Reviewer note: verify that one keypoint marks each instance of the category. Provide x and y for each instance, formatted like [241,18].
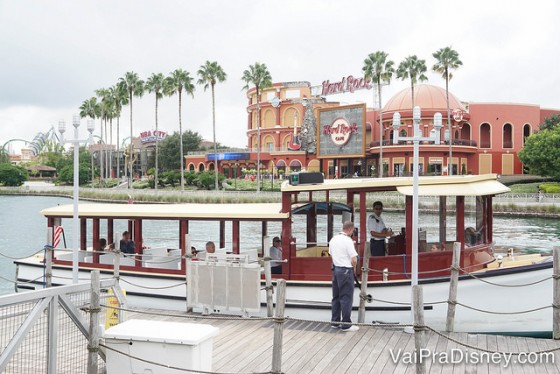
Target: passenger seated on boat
[210,248]
[126,245]
[435,248]
[472,237]
[276,256]
[377,230]
[102,245]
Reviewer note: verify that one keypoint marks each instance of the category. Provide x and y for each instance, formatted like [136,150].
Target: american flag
[56,236]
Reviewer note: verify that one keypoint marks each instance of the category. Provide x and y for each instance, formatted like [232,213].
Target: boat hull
[390,300]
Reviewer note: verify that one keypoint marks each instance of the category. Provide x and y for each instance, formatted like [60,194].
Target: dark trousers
[343,294]
[377,247]
[276,270]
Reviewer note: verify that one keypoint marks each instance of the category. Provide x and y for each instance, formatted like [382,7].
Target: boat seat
[311,251]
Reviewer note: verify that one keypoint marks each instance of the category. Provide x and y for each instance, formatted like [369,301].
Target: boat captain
[377,230]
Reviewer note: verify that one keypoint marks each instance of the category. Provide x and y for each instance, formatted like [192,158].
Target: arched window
[201,167]
[507,136]
[466,132]
[290,115]
[295,165]
[269,119]
[485,139]
[526,132]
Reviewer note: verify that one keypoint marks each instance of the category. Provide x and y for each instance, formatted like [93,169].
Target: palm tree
[414,69]
[90,108]
[120,98]
[259,76]
[209,74]
[378,69]
[447,59]
[155,84]
[106,106]
[135,87]
[175,83]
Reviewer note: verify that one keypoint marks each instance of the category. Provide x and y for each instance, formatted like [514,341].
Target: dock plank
[245,345]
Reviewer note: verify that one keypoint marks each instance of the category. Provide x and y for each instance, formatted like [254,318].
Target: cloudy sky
[54,54]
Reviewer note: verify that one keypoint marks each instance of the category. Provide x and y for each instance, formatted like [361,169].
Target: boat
[305,218]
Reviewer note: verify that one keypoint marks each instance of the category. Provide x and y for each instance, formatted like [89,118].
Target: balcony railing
[388,143]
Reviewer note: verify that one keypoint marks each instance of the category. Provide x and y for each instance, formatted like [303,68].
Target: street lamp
[416,139]
[75,220]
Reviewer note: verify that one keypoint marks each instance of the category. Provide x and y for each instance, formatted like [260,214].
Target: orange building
[485,136]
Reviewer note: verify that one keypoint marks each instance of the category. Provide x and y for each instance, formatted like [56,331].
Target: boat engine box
[182,345]
[306,178]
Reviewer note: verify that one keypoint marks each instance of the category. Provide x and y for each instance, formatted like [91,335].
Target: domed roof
[426,96]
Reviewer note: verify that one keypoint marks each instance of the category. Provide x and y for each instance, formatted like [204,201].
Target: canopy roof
[461,185]
[171,211]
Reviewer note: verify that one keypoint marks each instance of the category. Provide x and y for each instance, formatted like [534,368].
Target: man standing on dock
[344,258]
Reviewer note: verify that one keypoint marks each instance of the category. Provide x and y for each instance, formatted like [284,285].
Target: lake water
[23,231]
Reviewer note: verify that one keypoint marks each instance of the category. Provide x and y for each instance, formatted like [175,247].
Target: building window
[485,136]
[507,136]
[526,132]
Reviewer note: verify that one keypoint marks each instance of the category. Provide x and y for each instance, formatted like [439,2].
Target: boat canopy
[268,211]
[460,185]
[321,208]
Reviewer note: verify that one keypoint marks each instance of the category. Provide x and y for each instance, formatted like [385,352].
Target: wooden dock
[245,346]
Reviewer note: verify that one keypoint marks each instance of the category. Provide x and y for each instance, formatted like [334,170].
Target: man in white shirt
[345,259]
[276,256]
[377,230]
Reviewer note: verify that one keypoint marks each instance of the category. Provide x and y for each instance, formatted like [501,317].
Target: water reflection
[23,231]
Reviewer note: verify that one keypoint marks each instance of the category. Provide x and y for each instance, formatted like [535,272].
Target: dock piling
[418,303]
[278,326]
[453,282]
[556,294]
[93,341]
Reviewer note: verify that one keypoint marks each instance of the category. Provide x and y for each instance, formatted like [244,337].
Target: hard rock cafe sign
[340,131]
[347,84]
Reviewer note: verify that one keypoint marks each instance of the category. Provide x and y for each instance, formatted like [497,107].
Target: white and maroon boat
[461,211]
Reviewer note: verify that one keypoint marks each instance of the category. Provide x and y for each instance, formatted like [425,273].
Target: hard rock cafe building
[301,130]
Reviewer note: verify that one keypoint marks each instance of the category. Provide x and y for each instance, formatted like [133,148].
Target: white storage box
[181,345]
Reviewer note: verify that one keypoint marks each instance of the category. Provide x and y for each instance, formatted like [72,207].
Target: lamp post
[75,219]
[416,139]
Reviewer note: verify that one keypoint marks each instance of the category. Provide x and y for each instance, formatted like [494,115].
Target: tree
[11,175]
[379,70]
[65,167]
[414,69]
[4,157]
[169,148]
[90,108]
[120,98]
[259,76]
[550,122]
[154,85]
[178,81]
[541,153]
[135,87]
[447,59]
[210,73]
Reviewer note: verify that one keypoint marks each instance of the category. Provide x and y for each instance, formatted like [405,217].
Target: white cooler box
[182,345]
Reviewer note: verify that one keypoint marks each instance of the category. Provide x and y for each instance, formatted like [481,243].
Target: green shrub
[550,187]
[11,175]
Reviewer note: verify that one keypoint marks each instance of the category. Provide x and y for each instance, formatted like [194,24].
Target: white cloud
[56,53]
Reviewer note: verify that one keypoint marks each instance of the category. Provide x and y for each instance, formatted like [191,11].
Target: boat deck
[313,347]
